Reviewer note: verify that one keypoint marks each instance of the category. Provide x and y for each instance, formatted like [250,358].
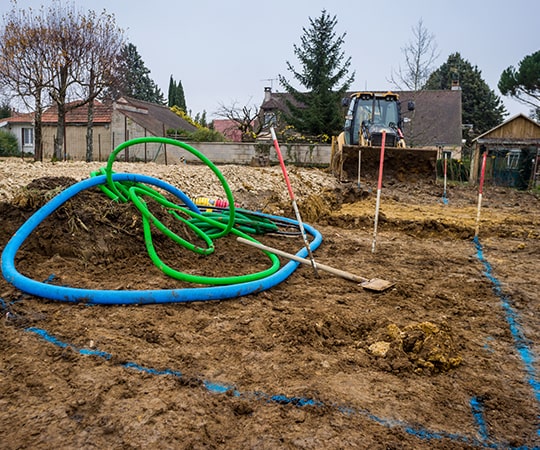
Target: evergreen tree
[136,81]
[481,107]
[176,95]
[171,95]
[318,111]
[180,98]
[5,110]
[523,84]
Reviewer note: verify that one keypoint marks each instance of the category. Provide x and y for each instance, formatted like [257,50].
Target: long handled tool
[375,284]
[291,195]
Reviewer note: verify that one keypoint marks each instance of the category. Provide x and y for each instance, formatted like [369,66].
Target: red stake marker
[379,188]
[291,195]
[482,173]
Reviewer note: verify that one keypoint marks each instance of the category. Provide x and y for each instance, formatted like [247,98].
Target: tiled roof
[19,118]
[436,119]
[79,114]
[228,128]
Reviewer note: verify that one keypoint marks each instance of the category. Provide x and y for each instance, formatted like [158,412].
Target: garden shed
[513,153]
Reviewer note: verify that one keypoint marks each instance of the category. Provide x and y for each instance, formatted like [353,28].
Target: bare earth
[446,358]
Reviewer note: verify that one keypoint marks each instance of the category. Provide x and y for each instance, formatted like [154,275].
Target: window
[512,159]
[27,137]
[270,119]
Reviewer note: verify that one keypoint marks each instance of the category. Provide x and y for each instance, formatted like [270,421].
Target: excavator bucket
[400,164]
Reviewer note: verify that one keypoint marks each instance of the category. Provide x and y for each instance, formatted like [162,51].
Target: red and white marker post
[293,200]
[480,189]
[379,188]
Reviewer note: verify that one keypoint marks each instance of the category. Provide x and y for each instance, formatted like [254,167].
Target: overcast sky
[227,52]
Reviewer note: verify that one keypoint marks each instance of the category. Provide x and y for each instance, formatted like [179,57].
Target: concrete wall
[248,153]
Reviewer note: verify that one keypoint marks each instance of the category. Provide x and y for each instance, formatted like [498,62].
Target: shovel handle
[323,267]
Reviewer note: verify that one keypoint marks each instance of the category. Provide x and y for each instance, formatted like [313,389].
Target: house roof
[79,114]
[18,118]
[518,129]
[435,121]
[228,128]
[151,116]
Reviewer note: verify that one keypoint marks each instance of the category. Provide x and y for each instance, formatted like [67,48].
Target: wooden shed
[513,150]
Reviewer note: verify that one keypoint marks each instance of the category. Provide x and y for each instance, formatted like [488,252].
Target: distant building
[113,124]
[22,127]
[229,129]
[513,148]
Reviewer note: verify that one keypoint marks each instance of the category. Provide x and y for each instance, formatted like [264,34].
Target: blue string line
[522,343]
[280,399]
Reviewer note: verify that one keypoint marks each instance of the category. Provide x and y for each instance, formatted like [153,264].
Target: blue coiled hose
[115,297]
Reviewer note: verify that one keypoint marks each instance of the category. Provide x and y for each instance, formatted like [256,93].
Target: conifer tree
[176,95]
[323,68]
[136,81]
[481,107]
[523,83]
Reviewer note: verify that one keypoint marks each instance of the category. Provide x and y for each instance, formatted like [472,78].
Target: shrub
[8,144]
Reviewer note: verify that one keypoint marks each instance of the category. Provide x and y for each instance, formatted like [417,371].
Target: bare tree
[420,54]
[22,52]
[246,119]
[103,45]
[61,52]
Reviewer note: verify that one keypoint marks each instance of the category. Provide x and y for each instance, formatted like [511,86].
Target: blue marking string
[522,344]
[280,399]
[477,408]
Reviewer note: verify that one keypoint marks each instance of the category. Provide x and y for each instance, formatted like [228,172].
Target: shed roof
[518,129]
[151,116]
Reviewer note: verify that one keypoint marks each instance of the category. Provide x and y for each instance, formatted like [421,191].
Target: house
[75,131]
[22,127]
[228,128]
[113,124]
[513,148]
[434,123]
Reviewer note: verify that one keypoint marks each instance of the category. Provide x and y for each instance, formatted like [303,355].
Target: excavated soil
[445,358]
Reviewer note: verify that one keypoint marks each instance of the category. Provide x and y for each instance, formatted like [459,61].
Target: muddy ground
[446,358]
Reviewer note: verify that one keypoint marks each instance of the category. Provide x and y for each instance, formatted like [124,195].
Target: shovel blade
[377,284]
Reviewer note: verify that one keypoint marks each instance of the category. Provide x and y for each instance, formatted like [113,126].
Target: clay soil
[443,359]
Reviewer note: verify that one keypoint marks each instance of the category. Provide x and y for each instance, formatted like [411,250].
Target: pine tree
[481,107]
[136,82]
[523,84]
[318,111]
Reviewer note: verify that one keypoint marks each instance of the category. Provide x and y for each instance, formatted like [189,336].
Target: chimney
[267,93]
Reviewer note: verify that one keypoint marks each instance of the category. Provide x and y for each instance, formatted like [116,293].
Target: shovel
[375,284]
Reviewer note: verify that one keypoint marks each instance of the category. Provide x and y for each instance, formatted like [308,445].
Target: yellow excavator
[356,151]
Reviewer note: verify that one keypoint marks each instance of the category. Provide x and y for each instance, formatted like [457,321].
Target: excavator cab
[357,148]
[368,115]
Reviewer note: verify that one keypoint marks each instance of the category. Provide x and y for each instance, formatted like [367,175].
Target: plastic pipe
[115,297]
